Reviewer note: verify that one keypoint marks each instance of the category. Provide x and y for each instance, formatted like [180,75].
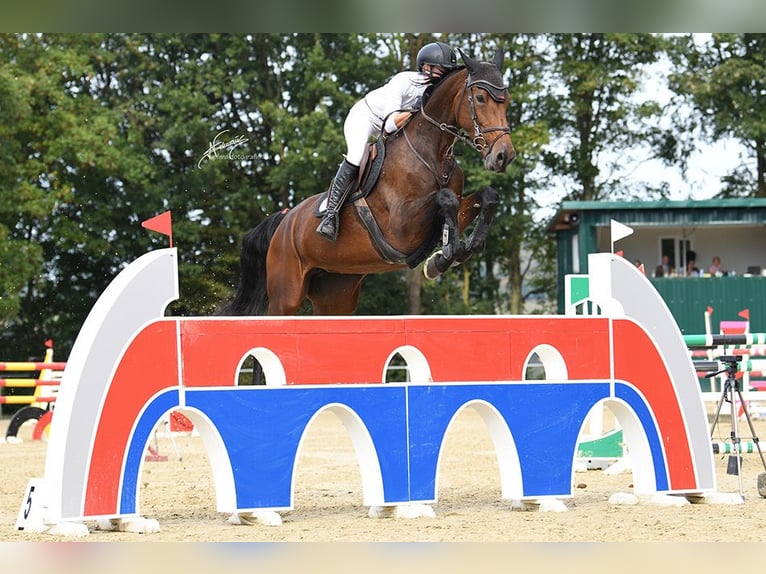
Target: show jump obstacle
[131,365]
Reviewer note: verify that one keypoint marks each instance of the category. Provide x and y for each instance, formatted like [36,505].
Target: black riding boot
[343,183]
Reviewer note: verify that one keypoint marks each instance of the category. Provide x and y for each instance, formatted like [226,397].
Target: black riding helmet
[437,54]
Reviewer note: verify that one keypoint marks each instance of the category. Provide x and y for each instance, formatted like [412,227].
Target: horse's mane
[485,73]
[433,87]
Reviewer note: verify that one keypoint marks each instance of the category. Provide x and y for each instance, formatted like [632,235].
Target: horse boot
[342,184]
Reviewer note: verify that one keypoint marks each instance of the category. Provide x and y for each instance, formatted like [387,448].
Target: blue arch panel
[544,420]
[262,428]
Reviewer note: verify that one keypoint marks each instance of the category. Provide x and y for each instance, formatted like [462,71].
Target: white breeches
[360,124]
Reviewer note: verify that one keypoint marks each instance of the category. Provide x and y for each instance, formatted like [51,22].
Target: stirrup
[329,220]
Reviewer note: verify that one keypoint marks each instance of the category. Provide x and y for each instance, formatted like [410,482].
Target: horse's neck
[442,108]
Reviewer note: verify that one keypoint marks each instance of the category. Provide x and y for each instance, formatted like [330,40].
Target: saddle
[369,173]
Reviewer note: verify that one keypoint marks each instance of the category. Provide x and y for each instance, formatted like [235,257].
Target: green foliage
[384,294]
[99,132]
[723,77]
[595,111]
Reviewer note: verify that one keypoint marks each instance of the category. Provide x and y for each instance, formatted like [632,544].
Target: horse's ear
[470,63]
[498,60]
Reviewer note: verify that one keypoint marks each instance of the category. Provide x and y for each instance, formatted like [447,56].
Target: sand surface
[328,507]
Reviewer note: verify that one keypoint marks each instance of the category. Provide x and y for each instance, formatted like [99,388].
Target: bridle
[478,141]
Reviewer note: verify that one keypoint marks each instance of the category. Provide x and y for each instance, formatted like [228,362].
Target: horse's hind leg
[286,278]
[332,294]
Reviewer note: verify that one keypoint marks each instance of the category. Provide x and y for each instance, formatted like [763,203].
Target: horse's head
[482,112]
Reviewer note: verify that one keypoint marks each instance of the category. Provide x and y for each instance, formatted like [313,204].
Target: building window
[675,248]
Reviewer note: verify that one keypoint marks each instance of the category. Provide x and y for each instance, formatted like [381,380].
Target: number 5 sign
[31,512]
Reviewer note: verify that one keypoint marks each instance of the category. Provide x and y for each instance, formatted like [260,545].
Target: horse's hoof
[430,270]
[262,517]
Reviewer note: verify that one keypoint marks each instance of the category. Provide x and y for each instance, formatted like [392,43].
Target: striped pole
[31,366]
[728,448]
[758,351]
[711,340]
[25,399]
[28,383]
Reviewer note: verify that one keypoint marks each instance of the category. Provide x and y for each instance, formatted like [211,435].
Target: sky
[706,166]
[703,177]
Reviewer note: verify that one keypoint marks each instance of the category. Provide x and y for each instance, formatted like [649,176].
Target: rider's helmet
[436,54]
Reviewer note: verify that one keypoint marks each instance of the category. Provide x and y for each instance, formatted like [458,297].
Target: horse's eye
[481,98]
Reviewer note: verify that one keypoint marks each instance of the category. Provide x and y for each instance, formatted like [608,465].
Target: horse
[416,202]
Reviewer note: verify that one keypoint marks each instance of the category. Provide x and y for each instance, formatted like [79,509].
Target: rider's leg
[342,184]
[357,130]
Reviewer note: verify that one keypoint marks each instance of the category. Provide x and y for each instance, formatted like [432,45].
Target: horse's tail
[251,297]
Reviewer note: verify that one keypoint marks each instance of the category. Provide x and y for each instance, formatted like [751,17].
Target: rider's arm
[396,120]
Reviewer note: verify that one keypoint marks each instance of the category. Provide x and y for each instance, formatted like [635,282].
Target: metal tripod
[731,390]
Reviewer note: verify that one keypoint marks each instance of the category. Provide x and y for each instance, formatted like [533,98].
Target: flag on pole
[619,231]
[161,224]
[745,314]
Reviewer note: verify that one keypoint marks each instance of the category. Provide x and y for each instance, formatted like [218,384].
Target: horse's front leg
[447,205]
[480,206]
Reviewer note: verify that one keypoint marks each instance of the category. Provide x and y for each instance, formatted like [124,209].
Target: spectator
[664,269]
[716,267]
[691,264]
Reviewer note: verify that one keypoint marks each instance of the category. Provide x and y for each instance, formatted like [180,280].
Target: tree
[102,131]
[592,109]
[20,256]
[723,77]
[61,141]
[112,129]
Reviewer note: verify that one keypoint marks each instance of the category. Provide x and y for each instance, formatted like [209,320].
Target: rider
[366,117]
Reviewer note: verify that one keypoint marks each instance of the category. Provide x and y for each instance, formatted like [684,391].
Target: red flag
[49,343]
[709,310]
[161,224]
[745,314]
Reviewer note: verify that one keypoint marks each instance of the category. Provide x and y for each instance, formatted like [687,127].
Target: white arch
[273,370]
[553,363]
[639,450]
[511,483]
[366,455]
[417,364]
[218,456]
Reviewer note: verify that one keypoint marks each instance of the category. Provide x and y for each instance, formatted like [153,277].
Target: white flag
[619,231]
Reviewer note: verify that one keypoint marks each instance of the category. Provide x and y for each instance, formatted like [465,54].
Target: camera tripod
[731,391]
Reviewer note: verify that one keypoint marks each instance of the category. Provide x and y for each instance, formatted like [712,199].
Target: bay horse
[416,204]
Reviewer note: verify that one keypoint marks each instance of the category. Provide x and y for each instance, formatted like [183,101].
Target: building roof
[661,213]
